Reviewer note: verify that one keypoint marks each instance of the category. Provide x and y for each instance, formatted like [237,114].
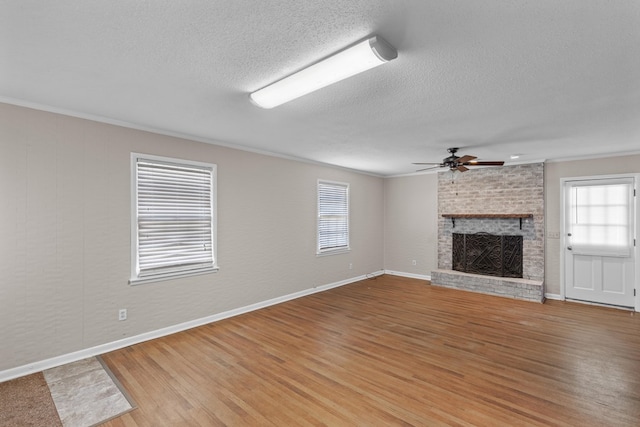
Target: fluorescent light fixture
[515,156]
[360,57]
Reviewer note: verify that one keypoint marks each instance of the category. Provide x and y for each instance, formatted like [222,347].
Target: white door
[599,240]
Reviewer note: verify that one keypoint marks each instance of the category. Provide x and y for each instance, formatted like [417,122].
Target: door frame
[563,231]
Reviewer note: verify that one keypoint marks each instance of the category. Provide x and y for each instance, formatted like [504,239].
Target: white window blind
[601,218]
[333,217]
[174,218]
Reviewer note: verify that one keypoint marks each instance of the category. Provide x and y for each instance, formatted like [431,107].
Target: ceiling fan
[454,162]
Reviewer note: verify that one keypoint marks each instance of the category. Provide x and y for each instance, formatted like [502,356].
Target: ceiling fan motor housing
[451,161]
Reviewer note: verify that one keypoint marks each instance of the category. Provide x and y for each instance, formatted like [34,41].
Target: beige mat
[86,393]
[79,394]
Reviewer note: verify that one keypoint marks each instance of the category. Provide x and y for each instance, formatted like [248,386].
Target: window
[601,217]
[333,217]
[173,230]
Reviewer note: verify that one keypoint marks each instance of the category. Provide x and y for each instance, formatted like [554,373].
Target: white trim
[593,156]
[636,237]
[409,275]
[41,365]
[159,131]
[143,128]
[152,279]
[563,242]
[333,252]
[442,169]
[554,296]
[618,307]
[341,249]
[134,157]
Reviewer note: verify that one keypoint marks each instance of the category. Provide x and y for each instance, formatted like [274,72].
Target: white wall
[65,218]
[411,221]
[411,224]
[554,171]
[64,234]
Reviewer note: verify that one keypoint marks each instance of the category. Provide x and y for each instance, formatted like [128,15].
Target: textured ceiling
[546,79]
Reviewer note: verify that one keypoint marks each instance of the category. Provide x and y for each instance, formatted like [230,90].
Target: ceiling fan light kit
[355,59]
[454,162]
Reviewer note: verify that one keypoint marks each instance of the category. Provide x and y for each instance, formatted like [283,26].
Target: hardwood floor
[392,351]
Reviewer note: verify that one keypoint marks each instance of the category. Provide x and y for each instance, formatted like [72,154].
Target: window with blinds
[173,223]
[333,217]
[601,217]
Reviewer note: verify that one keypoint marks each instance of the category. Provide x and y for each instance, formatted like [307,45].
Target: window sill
[160,278]
[334,252]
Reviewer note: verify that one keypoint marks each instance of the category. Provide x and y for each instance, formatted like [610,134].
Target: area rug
[79,394]
[86,393]
[26,401]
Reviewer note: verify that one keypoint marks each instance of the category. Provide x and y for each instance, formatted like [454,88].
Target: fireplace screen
[488,254]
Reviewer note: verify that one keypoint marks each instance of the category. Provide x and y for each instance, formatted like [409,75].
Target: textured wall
[510,189]
[65,231]
[411,222]
[555,171]
[410,232]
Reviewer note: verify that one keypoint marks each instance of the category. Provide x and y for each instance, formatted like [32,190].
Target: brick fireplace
[500,201]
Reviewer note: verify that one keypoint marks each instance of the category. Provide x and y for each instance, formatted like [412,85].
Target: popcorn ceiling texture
[547,79]
[506,190]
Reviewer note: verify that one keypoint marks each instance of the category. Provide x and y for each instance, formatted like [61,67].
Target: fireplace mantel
[518,216]
[508,215]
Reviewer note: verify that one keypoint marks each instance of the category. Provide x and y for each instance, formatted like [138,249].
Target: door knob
[570,248]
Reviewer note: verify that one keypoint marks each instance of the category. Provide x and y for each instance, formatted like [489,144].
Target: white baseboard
[410,275]
[561,298]
[42,365]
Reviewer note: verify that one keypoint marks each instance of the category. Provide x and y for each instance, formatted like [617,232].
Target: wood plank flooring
[392,351]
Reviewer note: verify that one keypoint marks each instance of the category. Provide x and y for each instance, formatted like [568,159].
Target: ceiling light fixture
[355,59]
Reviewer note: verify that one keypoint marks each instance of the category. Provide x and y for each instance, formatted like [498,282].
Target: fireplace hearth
[487,254]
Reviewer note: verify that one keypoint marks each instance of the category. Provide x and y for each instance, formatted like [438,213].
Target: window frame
[322,251]
[623,249]
[135,276]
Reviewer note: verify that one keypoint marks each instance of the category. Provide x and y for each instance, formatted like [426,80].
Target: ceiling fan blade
[465,159]
[487,163]
[426,169]
[458,163]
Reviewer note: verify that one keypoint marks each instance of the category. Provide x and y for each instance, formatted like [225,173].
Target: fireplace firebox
[488,254]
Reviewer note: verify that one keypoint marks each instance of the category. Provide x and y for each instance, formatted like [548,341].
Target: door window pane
[601,218]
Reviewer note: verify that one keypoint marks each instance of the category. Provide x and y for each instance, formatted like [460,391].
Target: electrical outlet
[553,234]
[122,314]
[413,262]
[350,266]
